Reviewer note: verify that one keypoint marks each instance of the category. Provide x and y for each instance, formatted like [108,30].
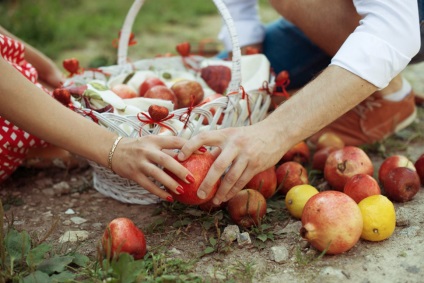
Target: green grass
[56,27]
[86,29]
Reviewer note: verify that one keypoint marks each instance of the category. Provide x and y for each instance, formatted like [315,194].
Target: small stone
[410,231]
[97,225]
[73,236]
[279,254]
[332,272]
[402,217]
[243,239]
[230,233]
[70,211]
[174,251]
[67,222]
[48,192]
[78,220]
[61,188]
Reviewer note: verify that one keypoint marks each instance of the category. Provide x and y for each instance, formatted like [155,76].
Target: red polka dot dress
[14,142]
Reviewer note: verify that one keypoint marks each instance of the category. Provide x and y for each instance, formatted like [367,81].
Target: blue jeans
[288,48]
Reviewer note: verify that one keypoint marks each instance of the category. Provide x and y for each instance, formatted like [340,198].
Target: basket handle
[235,82]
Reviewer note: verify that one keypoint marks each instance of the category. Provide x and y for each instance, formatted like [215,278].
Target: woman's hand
[138,160]
[243,151]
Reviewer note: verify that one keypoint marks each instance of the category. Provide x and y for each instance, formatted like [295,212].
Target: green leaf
[265,226]
[209,250]
[36,255]
[128,77]
[17,244]
[65,276]
[93,95]
[80,260]
[55,264]
[37,277]
[98,86]
[262,237]
[126,268]
[182,223]
[212,241]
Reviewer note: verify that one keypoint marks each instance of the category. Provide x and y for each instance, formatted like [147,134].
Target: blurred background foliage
[86,29]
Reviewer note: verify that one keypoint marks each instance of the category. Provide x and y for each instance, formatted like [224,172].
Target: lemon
[297,197]
[379,216]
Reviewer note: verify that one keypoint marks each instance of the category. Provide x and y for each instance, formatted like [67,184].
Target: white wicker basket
[239,109]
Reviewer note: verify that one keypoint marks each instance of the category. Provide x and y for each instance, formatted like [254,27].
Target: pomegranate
[247,208]
[290,174]
[331,222]
[123,236]
[265,182]
[401,184]
[392,162]
[330,139]
[188,93]
[360,186]
[320,157]
[148,83]
[161,92]
[344,163]
[299,153]
[419,166]
[198,165]
[124,91]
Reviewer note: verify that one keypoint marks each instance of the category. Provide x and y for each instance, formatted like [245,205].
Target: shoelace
[368,104]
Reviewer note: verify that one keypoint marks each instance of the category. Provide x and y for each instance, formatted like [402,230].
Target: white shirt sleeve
[385,41]
[246,21]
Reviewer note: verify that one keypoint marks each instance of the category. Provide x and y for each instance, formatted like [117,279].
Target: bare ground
[38,200]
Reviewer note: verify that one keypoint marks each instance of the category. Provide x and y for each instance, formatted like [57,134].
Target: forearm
[31,109]
[334,92]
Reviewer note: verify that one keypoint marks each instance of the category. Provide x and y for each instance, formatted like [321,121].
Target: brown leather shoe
[372,120]
[419,99]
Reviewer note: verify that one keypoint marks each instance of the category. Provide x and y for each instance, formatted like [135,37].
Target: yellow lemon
[297,197]
[379,216]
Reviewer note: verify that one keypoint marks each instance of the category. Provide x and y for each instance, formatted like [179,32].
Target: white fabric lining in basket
[239,108]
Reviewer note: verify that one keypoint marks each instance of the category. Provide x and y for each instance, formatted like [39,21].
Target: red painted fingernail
[190,179]
[202,149]
[180,190]
[170,198]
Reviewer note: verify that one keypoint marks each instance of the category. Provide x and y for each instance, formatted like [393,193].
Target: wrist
[112,153]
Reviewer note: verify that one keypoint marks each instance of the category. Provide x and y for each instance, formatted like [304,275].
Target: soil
[55,201]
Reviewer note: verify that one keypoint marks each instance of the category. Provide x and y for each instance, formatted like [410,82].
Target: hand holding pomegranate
[240,155]
[139,160]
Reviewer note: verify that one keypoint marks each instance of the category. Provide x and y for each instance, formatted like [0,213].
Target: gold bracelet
[112,151]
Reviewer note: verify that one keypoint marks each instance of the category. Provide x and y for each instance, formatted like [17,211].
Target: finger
[211,138]
[151,187]
[215,152]
[239,185]
[172,165]
[220,165]
[169,142]
[162,177]
[231,181]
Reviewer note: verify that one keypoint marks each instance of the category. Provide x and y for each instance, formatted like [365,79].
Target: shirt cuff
[248,32]
[370,58]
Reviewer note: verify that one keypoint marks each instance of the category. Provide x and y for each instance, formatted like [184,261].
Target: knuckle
[230,178]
